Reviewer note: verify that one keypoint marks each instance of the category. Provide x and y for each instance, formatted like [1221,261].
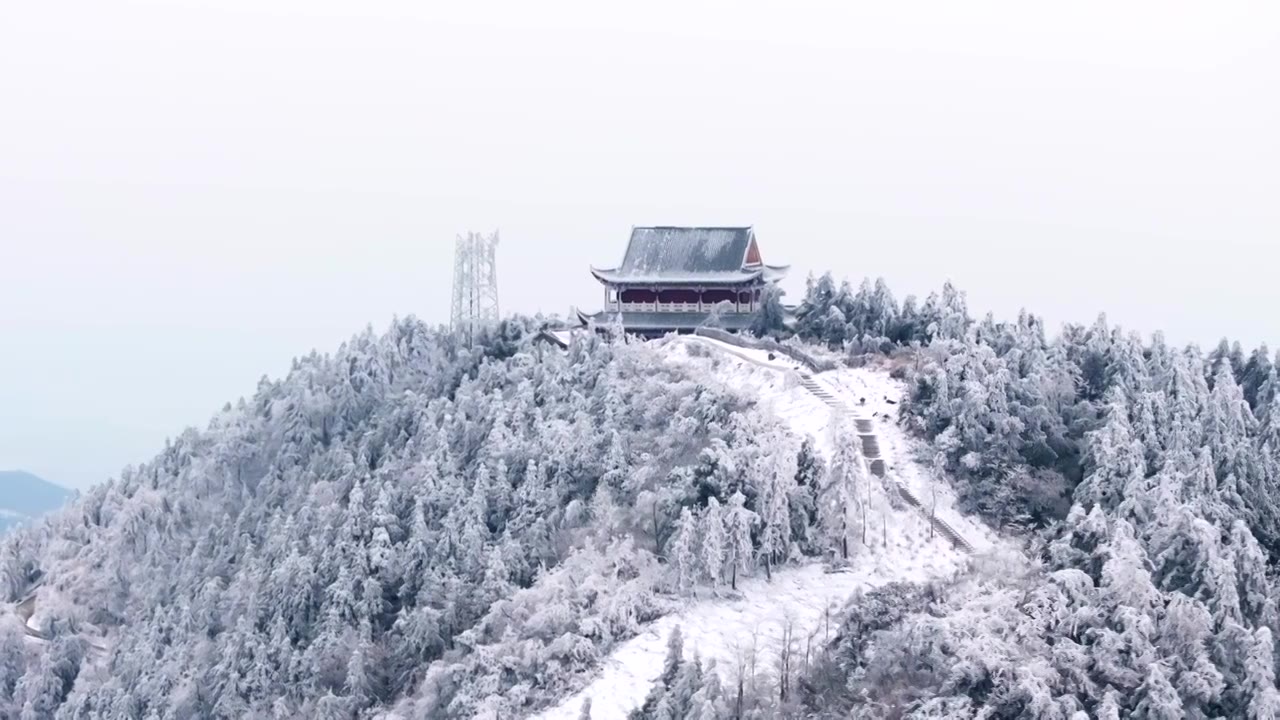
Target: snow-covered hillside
[744,632]
[374,523]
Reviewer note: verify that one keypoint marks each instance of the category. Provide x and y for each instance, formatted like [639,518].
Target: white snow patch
[774,384]
[733,631]
[715,244]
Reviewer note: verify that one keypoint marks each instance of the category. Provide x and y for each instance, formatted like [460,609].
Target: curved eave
[773,273]
[603,275]
[612,277]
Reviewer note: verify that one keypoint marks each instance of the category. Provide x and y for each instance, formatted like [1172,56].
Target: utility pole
[475,285]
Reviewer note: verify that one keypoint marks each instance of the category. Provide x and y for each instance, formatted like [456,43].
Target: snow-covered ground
[745,635]
[774,384]
[899,545]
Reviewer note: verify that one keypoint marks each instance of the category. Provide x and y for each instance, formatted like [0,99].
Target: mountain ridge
[25,496]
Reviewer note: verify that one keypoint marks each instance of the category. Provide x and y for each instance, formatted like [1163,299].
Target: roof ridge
[692,227]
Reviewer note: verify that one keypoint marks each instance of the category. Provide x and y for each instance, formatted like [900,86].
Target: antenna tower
[475,284]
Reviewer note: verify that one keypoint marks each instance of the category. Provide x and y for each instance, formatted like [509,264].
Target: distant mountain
[24,497]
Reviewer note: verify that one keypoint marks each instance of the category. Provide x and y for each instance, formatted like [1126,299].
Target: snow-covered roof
[710,255]
[560,338]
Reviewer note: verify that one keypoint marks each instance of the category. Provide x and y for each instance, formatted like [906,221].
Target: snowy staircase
[941,526]
[871,451]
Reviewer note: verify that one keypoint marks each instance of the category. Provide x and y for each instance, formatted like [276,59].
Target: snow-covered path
[29,614]
[733,630]
[24,610]
[745,633]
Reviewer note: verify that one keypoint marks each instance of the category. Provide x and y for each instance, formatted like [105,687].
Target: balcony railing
[670,307]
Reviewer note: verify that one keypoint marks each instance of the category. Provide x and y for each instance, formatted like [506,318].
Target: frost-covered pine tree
[1109,708]
[810,478]
[682,551]
[1158,699]
[708,702]
[739,522]
[775,477]
[688,683]
[675,656]
[1260,678]
[714,541]
[1114,459]
[841,507]
[771,319]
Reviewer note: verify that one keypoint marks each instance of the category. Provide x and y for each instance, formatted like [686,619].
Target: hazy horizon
[193,193]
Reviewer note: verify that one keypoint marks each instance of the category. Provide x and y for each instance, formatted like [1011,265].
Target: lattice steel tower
[475,284]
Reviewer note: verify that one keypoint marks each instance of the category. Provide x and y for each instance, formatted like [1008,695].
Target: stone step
[939,524]
[871,451]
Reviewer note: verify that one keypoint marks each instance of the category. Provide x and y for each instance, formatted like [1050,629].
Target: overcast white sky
[193,192]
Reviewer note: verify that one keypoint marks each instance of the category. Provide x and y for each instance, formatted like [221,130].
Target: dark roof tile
[673,250]
[689,254]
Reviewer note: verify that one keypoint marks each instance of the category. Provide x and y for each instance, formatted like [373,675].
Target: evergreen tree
[770,320]
[714,541]
[1158,698]
[682,551]
[1260,678]
[675,657]
[842,512]
[775,475]
[739,522]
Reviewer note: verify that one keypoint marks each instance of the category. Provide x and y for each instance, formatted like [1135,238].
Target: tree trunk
[933,511]
[657,540]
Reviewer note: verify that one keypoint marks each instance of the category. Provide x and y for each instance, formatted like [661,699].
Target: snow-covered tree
[715,541]
[682,551]
[1158,700]
[739,522]
[842,504]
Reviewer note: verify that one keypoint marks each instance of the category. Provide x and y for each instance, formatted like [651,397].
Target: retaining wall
[746,341]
